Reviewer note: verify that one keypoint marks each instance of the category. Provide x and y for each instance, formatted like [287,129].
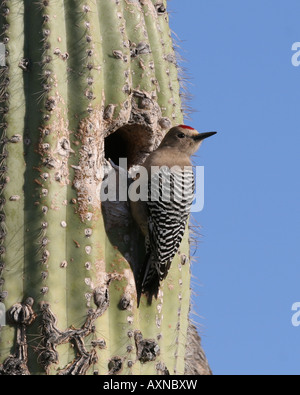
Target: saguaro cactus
[84,81]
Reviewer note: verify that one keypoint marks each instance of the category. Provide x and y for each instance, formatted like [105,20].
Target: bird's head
[185,139]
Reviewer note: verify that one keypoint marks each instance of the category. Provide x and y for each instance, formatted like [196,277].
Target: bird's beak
[202,136]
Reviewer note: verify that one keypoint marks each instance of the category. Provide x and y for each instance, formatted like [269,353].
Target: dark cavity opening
[132,142]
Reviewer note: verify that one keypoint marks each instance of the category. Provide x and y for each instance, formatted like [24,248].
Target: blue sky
[243,84]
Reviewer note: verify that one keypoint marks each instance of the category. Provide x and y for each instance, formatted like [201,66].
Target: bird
[163,217]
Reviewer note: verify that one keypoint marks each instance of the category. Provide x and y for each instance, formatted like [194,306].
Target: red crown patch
[186,127]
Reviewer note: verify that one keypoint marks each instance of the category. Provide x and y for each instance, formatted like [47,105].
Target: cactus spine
[83,81]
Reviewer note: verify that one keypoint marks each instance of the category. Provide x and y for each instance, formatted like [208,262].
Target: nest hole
[133,142]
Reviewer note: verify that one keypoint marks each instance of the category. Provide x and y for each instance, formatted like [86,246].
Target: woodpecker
[163,217]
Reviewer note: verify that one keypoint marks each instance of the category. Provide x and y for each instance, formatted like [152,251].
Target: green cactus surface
[84,81]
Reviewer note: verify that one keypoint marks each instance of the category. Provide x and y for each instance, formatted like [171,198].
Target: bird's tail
[148,280]
[150,277]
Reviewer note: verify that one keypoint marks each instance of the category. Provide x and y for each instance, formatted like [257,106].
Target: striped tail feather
[149,278]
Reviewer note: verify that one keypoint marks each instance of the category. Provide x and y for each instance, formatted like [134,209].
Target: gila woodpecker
[163,217]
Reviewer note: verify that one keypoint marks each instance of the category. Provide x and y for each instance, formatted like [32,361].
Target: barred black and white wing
[171,194]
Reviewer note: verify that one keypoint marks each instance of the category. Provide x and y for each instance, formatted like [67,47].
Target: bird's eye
[181,135]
